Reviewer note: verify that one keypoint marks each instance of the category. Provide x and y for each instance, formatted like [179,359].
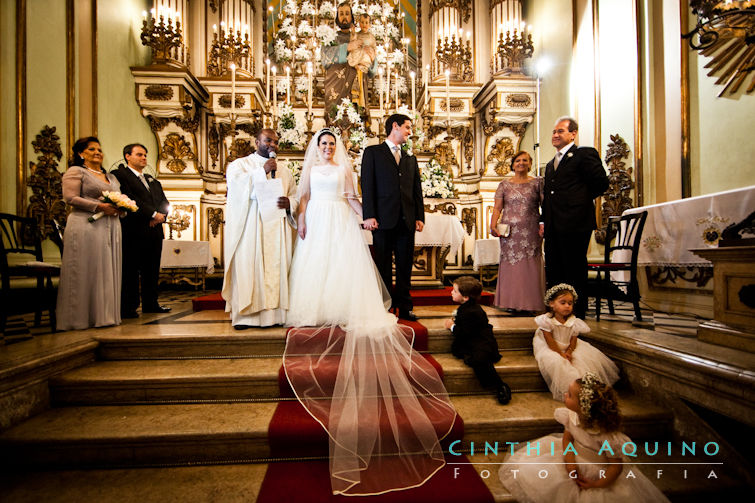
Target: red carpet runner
[433,297]
[293,432]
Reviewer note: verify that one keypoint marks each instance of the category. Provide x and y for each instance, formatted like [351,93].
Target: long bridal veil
[382,403]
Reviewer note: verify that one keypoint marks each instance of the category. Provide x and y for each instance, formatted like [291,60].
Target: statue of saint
[339,74]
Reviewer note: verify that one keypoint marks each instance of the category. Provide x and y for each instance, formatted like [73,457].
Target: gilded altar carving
[463,6]
[175,149]
[518,100]
[213,141]
[665,276]
[157,124]
[490,127]
[518,129]
[501,152]
[444,153]
[457,105]
[225,101]
[468,146]
[45,181]
[617,198]
[159,92]
[469,219]
[241,147]
[215,218]
[446,208]
[188,124]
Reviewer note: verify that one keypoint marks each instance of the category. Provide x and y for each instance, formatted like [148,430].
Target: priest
[260,209]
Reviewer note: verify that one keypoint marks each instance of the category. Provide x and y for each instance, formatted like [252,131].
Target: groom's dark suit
[392,194]
[142,244]
[569,217]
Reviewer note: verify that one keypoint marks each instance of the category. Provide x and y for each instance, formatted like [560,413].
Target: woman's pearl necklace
[98,171]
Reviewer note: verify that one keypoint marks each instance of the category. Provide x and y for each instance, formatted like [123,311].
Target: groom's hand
[284,203]
[419,225]
[370,224]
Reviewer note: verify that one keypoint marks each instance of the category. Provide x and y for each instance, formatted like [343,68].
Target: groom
[393,208]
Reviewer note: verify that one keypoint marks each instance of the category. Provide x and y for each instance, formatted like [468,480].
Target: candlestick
[448,97]
[382,88]
[387,85]
[233,92]
[427,85]
[309,87]
[413,75]
[396,89]
[267,88]
[275,93]
[288,85]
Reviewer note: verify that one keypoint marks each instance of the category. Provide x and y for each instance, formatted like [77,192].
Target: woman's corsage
[117,199]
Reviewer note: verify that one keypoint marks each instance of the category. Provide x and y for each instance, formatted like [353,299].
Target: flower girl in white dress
[347,360]
[560,354]
[586,464]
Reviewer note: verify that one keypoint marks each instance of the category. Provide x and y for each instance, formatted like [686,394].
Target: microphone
[272,155]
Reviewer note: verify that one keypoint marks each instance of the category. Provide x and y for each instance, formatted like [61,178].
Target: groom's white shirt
[257,254]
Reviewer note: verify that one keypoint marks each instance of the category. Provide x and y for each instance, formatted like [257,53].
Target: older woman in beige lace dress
[89,292]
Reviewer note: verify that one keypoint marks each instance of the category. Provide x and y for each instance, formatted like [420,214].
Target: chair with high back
[21,260]
[623,237]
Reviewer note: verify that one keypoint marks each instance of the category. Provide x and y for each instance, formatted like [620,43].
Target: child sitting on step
[586,464]
[561,356]
[473,337]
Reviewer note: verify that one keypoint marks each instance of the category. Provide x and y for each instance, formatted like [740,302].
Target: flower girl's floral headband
[553,292]
[589,382]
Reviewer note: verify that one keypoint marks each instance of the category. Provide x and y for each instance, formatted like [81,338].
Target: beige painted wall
[118,48]
[8,106]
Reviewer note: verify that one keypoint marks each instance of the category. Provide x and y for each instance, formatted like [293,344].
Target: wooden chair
[623,238]
[21,258]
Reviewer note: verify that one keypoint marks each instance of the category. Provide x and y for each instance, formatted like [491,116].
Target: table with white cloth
[180,260]
[441,236]
[486,257]
[676,279]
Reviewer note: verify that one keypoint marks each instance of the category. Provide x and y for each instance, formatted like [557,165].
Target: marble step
[138,435]
[240,483]
[123,382]
[217,338]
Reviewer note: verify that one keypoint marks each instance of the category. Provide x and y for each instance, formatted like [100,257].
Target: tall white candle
[396,89]
[275,92]
[382,88]
[288,85]
[448,97]
[233,89]
[427,85]
[414,106]
[387,85]
[267,89]
[309,87]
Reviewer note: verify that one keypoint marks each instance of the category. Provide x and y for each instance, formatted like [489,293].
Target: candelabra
[452,55]
[512,51]
[165,39]
[178,220]
[229,48]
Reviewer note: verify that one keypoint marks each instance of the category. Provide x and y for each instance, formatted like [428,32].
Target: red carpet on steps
[293,432]
[433,297]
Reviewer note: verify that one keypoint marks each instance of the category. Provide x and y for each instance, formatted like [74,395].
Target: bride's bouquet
[120,201]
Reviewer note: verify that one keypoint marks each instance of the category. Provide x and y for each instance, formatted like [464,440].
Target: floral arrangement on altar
[350,122]
[117,199]
[436,181]
[292,134]
[295,167]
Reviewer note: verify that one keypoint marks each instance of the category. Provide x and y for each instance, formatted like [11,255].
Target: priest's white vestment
[257,253]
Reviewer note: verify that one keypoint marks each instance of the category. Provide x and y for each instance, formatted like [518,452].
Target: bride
[349,362]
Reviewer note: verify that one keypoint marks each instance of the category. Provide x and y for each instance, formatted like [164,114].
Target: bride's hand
[302,230]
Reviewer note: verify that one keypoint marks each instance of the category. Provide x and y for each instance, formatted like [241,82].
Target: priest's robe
[257,253]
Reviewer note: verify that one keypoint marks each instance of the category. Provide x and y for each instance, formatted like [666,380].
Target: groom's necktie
[397,153]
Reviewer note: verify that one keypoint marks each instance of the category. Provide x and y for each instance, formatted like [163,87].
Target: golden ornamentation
[188,124]
[463,6]
[179,219]
[502,151]
[490,127]
[215,218]
[518,100]
[164,39]
[45,181]
[725,32]
[468,146]
[176,149]
[157,124]
[445,208]
[241,147]
[158,92]
[213,141]
[225,101]
[227,48]
[517,129]
[457,105]
[652,243]
[446,157]
[454,56]
[469,219]
[617,198]
[512,51]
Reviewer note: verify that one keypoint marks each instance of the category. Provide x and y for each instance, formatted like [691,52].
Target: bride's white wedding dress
[349,362]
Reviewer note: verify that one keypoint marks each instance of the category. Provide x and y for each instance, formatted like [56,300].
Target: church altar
[179,259]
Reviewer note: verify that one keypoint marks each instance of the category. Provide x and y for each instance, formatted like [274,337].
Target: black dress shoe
[129,314]
[156,309]
[242,327]
[407,315]
[503,394]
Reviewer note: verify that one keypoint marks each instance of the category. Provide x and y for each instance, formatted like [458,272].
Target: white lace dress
[559,372]
[349,362]
[523,475]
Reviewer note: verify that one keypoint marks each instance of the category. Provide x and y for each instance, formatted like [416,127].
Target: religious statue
[339,74]
[362,56]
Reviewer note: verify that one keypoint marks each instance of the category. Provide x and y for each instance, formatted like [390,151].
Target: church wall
[8,106]
[118,48]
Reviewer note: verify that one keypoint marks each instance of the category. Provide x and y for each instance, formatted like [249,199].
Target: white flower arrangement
[117,199]
[326,34]
[302,53]
[397,58]
[307,9]
[282,85]
[304,29]
[291,132]
[346,112]
[436,182]
[387,10]
[290,7]
[301,85]
[358,9]
[295,167]
[327,10]
[378,31]
[374,10]
[282,53]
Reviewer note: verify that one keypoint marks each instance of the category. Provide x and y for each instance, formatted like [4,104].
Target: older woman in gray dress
[89,292]
[521,280]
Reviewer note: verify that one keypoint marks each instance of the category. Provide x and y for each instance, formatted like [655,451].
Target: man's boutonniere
[569,154]
[407,148]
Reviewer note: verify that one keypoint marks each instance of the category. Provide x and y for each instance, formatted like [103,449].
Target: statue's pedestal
[733,322]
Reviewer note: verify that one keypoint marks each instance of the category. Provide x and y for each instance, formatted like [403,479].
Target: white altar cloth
[179,254]
[440,230]
[486,252]
[672,229]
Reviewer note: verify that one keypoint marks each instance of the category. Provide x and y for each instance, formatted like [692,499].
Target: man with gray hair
[573,179]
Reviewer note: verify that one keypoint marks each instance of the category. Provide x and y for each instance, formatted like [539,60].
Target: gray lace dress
[521,281]
[89,292]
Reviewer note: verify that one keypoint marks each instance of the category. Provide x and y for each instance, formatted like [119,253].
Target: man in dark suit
[142,233]
[573,179]
[393,208]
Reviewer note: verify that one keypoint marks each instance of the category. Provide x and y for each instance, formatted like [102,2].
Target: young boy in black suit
[473,337]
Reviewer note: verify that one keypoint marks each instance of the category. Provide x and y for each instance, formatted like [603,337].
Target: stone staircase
[161,399]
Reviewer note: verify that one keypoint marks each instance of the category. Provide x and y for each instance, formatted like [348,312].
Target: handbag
[503,229]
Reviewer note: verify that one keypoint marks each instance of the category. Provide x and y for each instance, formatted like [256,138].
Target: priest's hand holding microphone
[270,167]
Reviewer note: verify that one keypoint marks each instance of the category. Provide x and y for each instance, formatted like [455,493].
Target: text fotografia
[629,449]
